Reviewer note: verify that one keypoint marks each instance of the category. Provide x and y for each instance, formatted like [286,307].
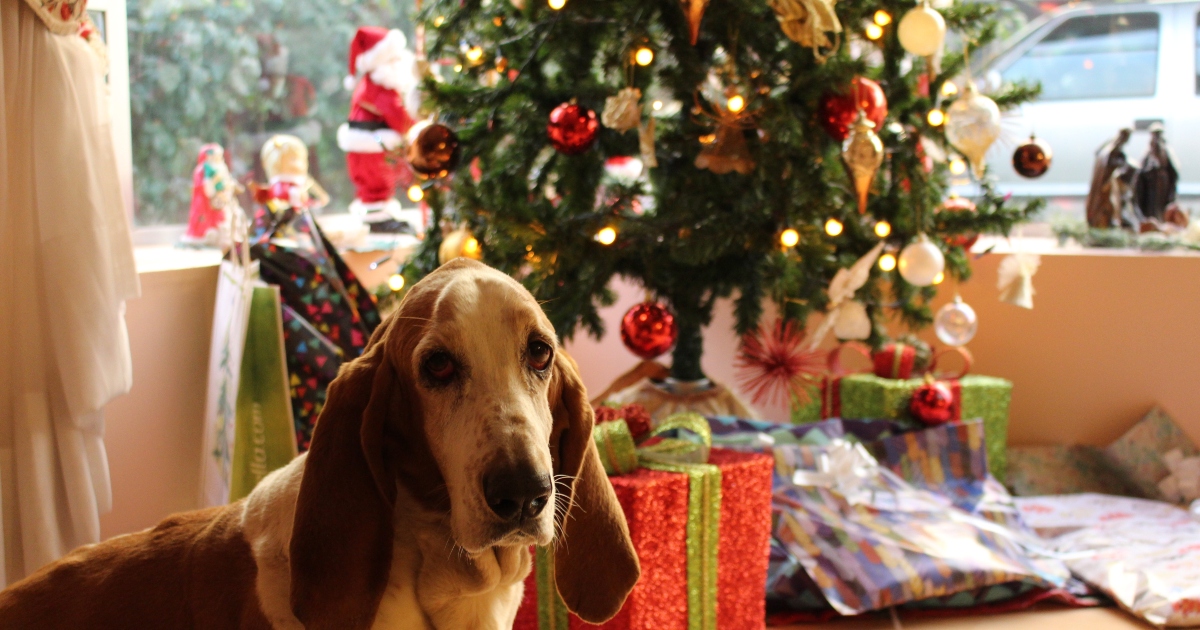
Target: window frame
[116,37]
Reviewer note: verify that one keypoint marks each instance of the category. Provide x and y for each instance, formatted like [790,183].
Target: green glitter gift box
[869,396]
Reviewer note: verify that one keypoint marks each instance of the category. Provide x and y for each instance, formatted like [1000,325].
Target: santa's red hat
[371,46]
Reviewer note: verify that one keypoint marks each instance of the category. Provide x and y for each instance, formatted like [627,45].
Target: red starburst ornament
[572,129]
[773,367]
[649,330]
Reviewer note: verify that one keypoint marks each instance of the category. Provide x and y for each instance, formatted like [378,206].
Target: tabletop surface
[1040,618]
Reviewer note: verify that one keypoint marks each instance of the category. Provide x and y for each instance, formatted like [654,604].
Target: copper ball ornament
[960,204]
[1032,159]
[649,330]
[433,150]
[572,128]
[837,111]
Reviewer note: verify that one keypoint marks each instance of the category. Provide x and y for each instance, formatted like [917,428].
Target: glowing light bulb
[471,248]
[936,117]
[396,282]
[833,227]
[958,166]
[789,237]
[644,56]
[557,4]
[883,229]
[474,54]
[736,103]
[883,18]
[439,20]
[458,67]
[887,262]
[657,105]
[949,89]
[415,193]
[708,138]
[606,236]
[874,31]
[938,279]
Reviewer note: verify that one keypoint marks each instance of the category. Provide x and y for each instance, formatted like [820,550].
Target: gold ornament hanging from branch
[727,152]
[972,125]
[623,111]
[646,144]
[811,23]
[863,154]
[693,10]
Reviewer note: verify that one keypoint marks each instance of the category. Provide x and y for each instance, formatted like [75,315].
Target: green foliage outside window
[210,71]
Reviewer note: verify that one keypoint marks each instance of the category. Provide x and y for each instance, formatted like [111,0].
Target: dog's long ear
[342,532]
[594,562]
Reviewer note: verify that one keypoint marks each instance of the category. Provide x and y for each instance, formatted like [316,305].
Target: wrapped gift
[1143,554]
[700,521]
[985,397]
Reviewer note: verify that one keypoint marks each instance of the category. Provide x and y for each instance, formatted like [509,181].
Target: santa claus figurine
[385,78]
[214,200]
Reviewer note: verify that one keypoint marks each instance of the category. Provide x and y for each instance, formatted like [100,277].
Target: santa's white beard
[398,74]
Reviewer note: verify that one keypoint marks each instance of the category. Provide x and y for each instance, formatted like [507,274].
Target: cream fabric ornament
[972,125]
[1015,279]
[852,321]
[623,111]
[811,23]
[1183,484]
[841,290]
[922,31]
[863,154]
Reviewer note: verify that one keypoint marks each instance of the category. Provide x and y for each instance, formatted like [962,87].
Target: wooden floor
[1050,618]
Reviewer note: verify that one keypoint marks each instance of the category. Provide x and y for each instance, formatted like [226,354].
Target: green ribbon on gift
[620,455]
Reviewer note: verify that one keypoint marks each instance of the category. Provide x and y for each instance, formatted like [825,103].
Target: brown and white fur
[414,508]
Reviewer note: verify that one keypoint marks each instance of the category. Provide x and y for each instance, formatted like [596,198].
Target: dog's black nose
[517,493]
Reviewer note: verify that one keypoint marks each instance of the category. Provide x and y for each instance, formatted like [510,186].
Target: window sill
[1048,246]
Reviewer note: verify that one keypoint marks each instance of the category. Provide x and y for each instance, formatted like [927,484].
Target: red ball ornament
[838,110]
[960,204]
[649,330]
[572,128]
[1032,159]
[932,403]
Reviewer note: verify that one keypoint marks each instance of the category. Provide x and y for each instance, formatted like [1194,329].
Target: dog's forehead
[476,299]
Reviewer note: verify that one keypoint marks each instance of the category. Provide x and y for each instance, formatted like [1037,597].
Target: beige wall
[1110,336]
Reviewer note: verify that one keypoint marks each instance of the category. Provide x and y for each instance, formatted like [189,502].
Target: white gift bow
[842,467]
[841,290]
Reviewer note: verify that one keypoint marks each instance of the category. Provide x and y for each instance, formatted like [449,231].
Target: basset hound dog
[459,438]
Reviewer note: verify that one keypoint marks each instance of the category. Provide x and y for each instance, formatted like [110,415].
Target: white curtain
[66,268]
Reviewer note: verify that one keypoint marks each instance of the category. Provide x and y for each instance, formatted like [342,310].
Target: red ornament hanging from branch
[649,330]
[838,110]
[572,128]
[774,367]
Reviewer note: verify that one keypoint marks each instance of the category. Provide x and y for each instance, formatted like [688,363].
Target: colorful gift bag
[312,363]
[985,397]
[235,285]
[700,529]
[265,438]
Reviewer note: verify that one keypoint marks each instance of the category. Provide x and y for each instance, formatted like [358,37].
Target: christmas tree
[727,89]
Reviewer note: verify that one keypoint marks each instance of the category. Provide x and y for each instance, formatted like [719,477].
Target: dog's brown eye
[440,366]
[538,354]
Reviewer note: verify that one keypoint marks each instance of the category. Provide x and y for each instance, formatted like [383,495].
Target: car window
[1094,56]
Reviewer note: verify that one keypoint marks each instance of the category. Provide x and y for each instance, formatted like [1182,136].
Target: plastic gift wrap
[869,540]
[1144,554]
[700,522]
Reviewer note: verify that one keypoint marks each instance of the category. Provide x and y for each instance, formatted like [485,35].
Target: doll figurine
[1157,179]
[214,200]
[289,186]
[384,77]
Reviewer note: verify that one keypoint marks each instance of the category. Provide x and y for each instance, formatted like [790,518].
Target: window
[236,72]
[1198,53]
[1095,56]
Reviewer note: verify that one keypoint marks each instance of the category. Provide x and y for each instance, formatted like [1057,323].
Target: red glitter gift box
[656,507]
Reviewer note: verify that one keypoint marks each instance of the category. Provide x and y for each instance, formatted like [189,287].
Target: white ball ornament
[921,262]
[956,323]
[922,31]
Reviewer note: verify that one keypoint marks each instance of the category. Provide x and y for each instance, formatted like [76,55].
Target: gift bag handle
[834,361]
[967,361]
